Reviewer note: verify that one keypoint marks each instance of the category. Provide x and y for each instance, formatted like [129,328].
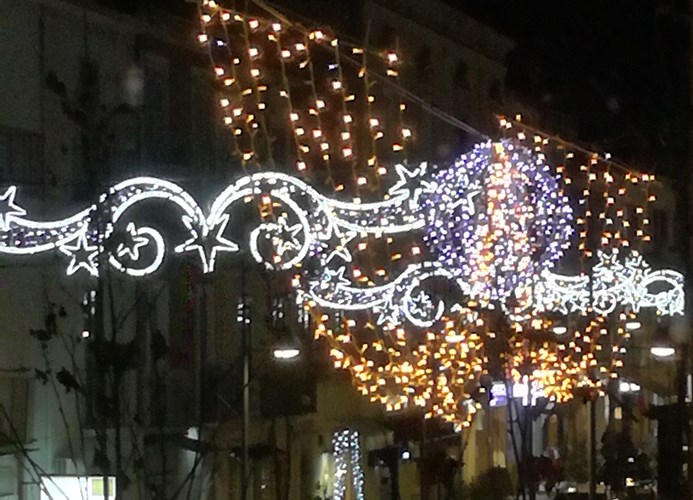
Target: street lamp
[633,325]
[286,347]
[662,346]
[285,353]
[560,330]
[662,351]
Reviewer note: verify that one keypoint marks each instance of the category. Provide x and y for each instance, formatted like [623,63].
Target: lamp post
[285,349]
[245,351]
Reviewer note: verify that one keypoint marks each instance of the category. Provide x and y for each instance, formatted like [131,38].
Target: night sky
[619,68]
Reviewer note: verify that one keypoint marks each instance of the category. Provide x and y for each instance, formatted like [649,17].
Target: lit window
[71,487]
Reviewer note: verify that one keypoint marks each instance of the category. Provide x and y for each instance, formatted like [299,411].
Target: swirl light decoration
[488,233]
[303,232]
[308,221]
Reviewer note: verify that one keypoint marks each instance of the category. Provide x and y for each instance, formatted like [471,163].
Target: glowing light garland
[347,456]
[495,223]
[483,263]
[437,373]
[630,284]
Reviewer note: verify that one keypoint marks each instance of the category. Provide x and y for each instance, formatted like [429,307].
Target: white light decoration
[630,284]
[139,238]
[82,254]
[83,236]
[347,456]
[8,209]
[499,215]
[207,247]
[393,302]
[319,219]
[462,213]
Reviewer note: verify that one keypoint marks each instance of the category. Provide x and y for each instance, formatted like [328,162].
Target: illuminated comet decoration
[495,222]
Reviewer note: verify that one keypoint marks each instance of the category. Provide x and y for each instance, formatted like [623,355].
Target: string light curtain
[412,264]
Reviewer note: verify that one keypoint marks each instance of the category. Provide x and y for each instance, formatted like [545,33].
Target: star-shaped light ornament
[206,245]
[412,184]
[333,278]
[422,304]
[83,255]
[388,313]
[475,189]
[286,236]
[334,243]
[9,210]
[131,248]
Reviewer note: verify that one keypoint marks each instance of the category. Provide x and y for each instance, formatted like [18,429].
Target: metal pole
[593,449]
[423,480]
[245,348]
[682,414]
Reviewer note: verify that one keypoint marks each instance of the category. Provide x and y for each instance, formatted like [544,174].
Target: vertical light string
[220,74]
[318,133]
[255,87]
[347,454]
[348,146]
[284,94]
[405,134]
[372,122]
[239,112]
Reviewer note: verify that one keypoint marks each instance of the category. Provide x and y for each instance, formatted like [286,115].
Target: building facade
[144,379]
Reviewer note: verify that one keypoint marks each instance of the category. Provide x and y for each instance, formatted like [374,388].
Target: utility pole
[424,466]
[593,449]
[245,351]
[685,209]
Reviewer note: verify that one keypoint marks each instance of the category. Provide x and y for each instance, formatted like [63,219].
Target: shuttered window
[21,158]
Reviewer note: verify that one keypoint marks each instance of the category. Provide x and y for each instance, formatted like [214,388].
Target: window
[14,397]
[303,317]
[156,108]
[461,75]
[424,64]
[72,487]
[660,227]
[387,39]
[21,158]
[202,115]
[495,91]
[88,313]
[280,307]
[96,487]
